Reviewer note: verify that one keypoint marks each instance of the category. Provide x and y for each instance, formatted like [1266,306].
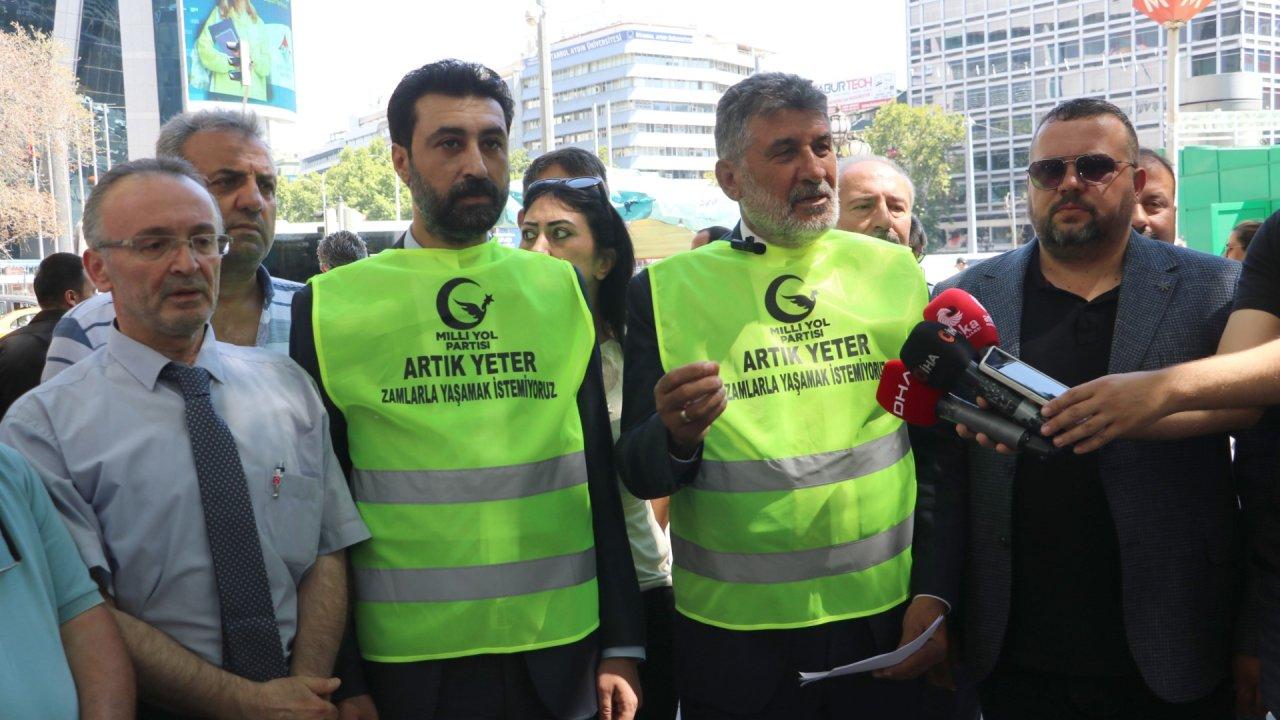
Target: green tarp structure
[1221,187]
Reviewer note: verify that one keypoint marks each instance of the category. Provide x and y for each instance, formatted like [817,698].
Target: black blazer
[564,675]
[1173,503]
[740,671]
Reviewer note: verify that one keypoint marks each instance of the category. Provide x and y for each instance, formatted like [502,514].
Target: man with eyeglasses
[1101,584]
[230,150]
[196,477]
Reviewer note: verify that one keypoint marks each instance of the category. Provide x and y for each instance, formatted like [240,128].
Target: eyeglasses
[577,183]
[157,247]
[1092,169]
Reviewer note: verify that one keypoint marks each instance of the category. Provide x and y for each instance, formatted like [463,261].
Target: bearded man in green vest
[805,534]
[468,409]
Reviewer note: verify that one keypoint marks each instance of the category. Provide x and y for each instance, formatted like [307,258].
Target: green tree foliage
[519,161]
[919,139]
[365,179]
[299,200]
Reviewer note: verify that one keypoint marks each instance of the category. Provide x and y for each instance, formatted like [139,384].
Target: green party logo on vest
[804,303]
[474,309]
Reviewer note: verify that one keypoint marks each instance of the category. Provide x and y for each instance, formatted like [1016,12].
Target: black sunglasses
[1092,169]
[577,183]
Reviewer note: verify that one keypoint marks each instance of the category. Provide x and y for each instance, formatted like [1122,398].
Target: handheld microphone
[962,312]
[945,360]
[906,396]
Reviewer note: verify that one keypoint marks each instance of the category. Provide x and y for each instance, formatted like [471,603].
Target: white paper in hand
[875,662]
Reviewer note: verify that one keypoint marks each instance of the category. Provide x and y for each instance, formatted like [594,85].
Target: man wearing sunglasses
[1101,584]
[196,477]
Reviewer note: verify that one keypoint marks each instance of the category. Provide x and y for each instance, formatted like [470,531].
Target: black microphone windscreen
[937,355]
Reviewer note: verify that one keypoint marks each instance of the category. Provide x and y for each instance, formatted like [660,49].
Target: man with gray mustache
[768,439]
[229,149]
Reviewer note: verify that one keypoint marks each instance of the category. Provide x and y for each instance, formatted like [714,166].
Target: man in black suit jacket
[783,152]
[448,123]
[1101,584]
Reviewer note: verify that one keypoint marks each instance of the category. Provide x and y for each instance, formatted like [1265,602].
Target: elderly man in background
[1157,205]
[196,477]
[876,198]
[340,248]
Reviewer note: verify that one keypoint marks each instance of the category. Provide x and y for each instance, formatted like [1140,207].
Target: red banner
[1166,11]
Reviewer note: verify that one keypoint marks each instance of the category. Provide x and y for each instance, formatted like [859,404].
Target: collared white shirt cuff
[630,652]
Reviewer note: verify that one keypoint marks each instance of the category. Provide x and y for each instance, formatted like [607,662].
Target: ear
[95,266]
[400,160]
[604,262]
[520,217]
[727,176]
[1139,178]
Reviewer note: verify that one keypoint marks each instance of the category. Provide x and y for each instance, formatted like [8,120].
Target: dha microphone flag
[962,312]
[903,395]
[945,360]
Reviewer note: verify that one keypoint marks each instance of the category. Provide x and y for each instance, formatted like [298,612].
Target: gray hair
[849,162]
[762,94]
[91,222]
[340,248]
[175,133]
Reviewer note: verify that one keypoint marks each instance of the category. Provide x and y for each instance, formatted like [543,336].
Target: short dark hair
[575,161]
[1082,108]
[610,233]
[1147,156]
[57,274]
[715,232]
[451,77]
[1245,231]
[341,248]
[761,95]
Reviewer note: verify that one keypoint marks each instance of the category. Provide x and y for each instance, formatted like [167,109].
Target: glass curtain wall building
[655,87]
[1004,63]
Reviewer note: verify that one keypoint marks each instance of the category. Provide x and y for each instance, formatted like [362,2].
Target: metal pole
[1172,81]
[246,73]
[93,128]
[35,185]
[970,202]
[544,81]
[595,129]
[80,173]
[1011,201]
[106,132]
[608,130]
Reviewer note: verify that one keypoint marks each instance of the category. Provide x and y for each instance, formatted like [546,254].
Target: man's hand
[920,615]
[618,688]
[291,698]
[688,400]
[1246,672]
[1097,412]
[981,438]
[360,707]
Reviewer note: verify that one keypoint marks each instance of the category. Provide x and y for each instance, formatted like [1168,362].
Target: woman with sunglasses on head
[572,219]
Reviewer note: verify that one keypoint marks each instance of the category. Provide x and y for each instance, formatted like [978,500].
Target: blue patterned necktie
[251,646]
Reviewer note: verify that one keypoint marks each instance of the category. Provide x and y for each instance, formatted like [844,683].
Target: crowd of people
[459,480]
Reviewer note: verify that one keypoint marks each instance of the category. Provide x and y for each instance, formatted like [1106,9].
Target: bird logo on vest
[473,310]
[773,298]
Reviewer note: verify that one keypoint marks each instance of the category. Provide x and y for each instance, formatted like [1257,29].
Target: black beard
[457,225]
[1085,241]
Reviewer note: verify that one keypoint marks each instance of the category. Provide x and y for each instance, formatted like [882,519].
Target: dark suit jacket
[1173,503]
[740,671]
[564,675]
[22,356]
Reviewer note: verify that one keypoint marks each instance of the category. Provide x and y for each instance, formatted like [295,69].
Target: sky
[350,55]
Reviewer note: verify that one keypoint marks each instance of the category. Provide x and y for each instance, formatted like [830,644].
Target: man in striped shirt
[230,150]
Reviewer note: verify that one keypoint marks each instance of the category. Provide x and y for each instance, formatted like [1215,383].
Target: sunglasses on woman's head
[1092,169]
[577,183]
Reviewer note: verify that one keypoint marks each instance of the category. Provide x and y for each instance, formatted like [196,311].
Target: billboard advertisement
[222,37]
[859,93]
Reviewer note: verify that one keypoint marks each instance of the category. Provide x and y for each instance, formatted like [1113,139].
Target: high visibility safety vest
[801,513]
[458,373]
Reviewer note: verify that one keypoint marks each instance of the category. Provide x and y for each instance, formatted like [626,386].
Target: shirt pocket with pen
[293,510]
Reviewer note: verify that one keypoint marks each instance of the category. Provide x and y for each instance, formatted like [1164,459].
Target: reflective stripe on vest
[458,372]
[807,471]
[802,510]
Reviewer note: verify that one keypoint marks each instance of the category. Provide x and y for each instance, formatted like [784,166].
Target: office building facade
[653,91]
[1004,63]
